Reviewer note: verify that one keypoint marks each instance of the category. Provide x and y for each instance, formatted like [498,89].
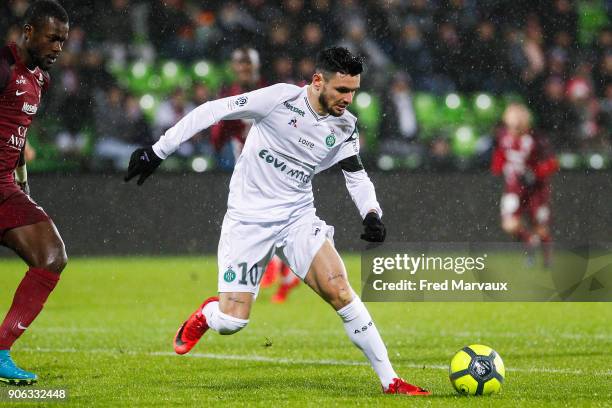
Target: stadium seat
[367,108]
[206,72]
[455,110]
[173,76]
[463,141]
[428,113]
[140,76]
[591,18]
[487,111]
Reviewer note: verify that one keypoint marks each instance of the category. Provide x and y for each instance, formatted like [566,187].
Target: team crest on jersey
[293,122]
[241,101]
[330,140]
[229,275]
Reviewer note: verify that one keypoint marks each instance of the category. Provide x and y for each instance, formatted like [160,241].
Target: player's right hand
[143,161]
[374,229]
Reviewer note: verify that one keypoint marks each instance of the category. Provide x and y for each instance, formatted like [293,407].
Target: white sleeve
[348,148]
[362,192]
[251,105]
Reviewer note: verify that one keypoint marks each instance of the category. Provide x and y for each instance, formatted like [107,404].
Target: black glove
[374,230]
[144,162]
[528,179]
[25,187]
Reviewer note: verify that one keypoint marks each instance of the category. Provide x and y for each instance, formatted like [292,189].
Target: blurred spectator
[448,61]
[357,40]
[413,56]
[245,65]
[120,127]
[115,21]
[586,110]
[169,113]
[606,112]
[170,28]
[399,128]
[525,47]
[484,55]
[399,119]
[556,116]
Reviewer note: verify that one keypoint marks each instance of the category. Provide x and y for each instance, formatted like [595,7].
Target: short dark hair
[38,13]
[339,59]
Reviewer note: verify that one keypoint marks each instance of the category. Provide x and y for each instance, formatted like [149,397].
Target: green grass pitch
[106,335]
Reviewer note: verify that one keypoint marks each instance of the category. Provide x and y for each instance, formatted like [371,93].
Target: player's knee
[510,226]
[56,259]
[340,296]
[228,324]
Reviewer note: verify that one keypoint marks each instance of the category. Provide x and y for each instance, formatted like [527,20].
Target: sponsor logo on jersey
[294,109]
[19,93]
[306,143]
[21,80]
[29,109]
[296,174]
[16,142]
[229,275]
[293,122]
[272,160]
[241,101]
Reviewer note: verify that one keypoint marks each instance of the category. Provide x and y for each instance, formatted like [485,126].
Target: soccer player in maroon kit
[24,226]
[526,162]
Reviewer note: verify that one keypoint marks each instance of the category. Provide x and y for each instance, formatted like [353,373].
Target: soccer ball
[477,370]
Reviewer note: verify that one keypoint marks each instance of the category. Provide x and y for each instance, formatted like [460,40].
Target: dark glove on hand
[374,229]
[528,179]
[25,187]
[144,162]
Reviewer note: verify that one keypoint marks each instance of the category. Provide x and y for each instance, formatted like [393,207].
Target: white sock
[363,333]
[221,322]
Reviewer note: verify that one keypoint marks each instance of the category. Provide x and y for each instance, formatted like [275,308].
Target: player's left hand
[143,161]
[374,229]
[25,187]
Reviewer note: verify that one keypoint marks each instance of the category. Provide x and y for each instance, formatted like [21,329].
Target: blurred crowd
[555,54]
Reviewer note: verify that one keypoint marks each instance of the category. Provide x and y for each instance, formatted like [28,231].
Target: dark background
[182,214]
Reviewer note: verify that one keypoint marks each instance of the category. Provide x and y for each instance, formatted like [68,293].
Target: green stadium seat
[463,141]
[592,17]
[456,110]
[427,109]
[173,75]
[367,109]
[207,73]
[487,110]
[140,77]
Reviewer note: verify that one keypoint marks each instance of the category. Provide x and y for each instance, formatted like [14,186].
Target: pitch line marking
[279,360]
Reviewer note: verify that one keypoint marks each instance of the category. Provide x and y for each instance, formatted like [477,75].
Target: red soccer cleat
[283,291]
[399,386]
[272,273]
[192,330]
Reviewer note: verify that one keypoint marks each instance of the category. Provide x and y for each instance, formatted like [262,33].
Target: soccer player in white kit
[297,132]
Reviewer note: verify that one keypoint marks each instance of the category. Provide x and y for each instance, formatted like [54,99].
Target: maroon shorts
[19,210]
[535,204]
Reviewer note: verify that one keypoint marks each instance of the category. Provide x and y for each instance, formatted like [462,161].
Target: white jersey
[286,146]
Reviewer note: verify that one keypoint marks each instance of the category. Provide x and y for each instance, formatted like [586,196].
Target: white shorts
[245,248]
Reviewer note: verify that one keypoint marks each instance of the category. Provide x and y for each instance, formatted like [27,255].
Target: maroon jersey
[237,129]
[515,156]
[19,101]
